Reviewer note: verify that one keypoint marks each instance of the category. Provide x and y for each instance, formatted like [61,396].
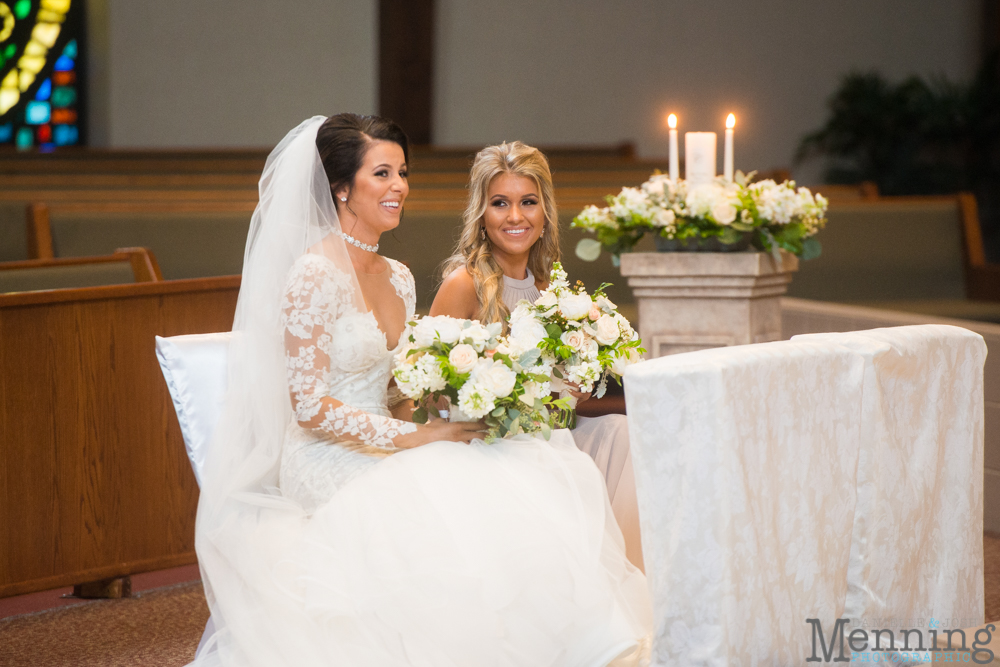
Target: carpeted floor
[158,628]
[161,627]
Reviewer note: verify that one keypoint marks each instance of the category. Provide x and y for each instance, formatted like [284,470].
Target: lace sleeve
[317,295]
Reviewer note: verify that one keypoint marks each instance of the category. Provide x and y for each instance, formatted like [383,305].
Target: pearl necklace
[354,242]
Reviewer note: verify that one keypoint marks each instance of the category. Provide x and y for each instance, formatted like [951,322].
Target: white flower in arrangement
[575,339]
[534,391]
[590,349]
[585,374]
[547,300]
[525,334]
[626,359]
[446,329]
[558,280]
[607,330]
[463,357]
[724,212]
[660,189]
[630,202]
[478,335]
[575,306]
[593,217]
[664,217]
[497,379]
[475,401]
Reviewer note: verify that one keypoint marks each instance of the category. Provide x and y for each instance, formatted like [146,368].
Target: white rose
[447,329]
[478,335]
[546,300]
[526,334]
[590,349]
[627,358]
[463,357]
[575,339]
[497,380]
[521,311]
[663,217]
[724,212]
[606,331]
[575,306]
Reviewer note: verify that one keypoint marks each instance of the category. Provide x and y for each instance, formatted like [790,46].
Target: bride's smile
[374,202]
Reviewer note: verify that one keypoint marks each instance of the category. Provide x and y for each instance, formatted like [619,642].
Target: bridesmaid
[509,241]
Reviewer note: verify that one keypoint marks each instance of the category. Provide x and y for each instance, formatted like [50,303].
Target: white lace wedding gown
[446,554]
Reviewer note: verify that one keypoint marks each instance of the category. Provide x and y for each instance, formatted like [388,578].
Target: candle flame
[672,121]
[730,121]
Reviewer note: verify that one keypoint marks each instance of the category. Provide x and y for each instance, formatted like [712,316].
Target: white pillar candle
[699,157]
[675,169]
[727,158]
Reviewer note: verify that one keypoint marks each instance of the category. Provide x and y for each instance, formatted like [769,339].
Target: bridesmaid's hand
[439,429]
[574,390]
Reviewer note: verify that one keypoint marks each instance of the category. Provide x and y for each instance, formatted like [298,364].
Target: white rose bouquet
[720,215]
[579,338]
[471,365]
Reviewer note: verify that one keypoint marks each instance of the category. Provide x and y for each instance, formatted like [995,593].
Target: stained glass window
[41,82]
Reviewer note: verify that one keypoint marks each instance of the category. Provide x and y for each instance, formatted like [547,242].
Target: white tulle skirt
[444,555]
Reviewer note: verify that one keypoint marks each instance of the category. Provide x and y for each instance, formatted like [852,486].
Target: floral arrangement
[765,214]
[580,338]
[470,364]
[566,335]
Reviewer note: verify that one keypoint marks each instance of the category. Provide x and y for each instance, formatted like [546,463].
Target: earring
[542,235]
[343,199]
[482,233]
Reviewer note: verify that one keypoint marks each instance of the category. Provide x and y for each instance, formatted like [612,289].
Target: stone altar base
[695,300]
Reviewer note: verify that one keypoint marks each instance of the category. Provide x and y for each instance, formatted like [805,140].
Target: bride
[331,529]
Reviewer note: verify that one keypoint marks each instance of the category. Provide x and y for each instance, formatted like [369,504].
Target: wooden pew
[982,280]
[125,265]
[915,254]
[95,476]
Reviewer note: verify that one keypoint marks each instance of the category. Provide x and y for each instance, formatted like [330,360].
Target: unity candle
[699,157]
[675,170]
[727,157]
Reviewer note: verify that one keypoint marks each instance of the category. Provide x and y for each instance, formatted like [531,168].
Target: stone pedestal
[694,300]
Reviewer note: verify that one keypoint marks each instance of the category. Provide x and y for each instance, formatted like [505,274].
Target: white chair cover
[830,476]
[194,367]
[917,551]
[745,462]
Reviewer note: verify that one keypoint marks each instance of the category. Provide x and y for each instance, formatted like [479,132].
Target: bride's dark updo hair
[343,140]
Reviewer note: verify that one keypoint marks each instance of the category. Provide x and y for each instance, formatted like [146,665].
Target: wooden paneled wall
[94,479]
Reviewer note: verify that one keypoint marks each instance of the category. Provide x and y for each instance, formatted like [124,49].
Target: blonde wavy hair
[474,254]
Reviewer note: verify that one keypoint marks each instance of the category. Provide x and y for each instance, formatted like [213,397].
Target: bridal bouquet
[470,364]
[577,337]
[765,214]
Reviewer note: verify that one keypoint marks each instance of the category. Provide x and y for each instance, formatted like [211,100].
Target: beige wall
[241,73]
[230,72]
[593,71]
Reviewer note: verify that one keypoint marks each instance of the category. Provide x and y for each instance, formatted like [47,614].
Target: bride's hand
[439,429]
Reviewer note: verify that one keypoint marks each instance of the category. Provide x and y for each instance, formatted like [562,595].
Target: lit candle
[727,158]
[699,157]
[675,169]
